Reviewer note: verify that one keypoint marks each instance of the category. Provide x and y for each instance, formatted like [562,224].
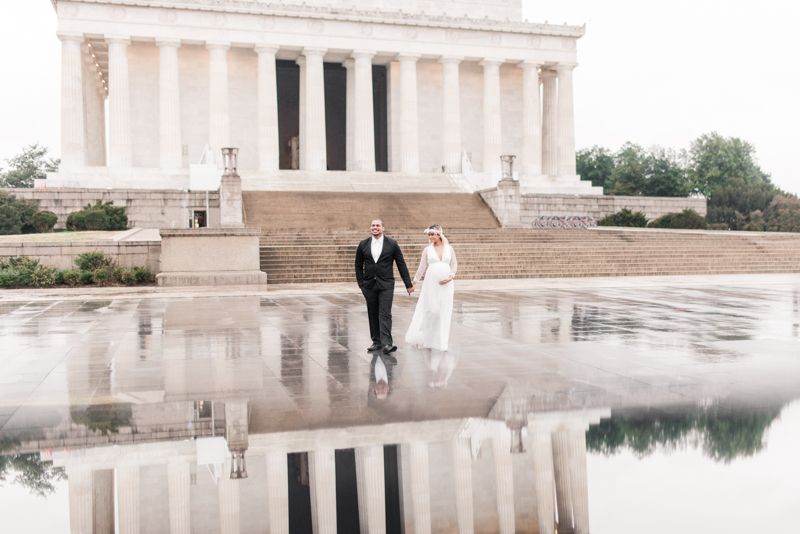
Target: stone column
[219,121]
[549,124]
[578,480]
[119,103]
[371,489]
[492,133]
[561,468]
[409,114]
[94,113]
[268,141]
[103,480]
[504,480]
[462,477]
[81,497]
[228,493]
[128,500]
[531,122]
[364,142]
[566,120]
[278,493]
[542,452]
[322,475]
[420,486]
[73,148]
[451,114]
[169,99]
[313,140]
[350,119]
[178,473]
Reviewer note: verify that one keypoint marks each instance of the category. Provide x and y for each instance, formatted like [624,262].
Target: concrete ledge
[211,278]
[209,232]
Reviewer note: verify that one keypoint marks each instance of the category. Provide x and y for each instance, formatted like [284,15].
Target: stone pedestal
[505,201]
[210,256]
[230,202]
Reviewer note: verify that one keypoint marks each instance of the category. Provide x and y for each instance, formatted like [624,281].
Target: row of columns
[548,142]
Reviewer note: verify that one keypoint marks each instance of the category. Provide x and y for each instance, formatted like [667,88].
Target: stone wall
[62,255]
[598,206]
[145,208]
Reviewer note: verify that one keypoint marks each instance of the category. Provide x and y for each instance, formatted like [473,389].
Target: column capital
[168,42]
[565,66]
[547,73]
[70,36]
[451,59]
[349,63]
[301,60]
[218,45]
[118,39]
[313,51]
[530,64]
[266,48]
[407,57]
[361,54]
[491,62]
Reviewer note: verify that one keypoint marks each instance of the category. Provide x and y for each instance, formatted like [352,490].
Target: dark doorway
[346,492]
[336,116]
[379,111]
[392,488]
[288,79]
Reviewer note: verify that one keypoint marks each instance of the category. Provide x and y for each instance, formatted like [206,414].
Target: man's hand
[448,279]
[410,290]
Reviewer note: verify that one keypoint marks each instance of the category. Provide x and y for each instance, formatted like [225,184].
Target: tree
[715,161]
[23,208]
[31,472]
[733,202]
[666,173]
[29,165]
[595,164]
[628,176]
[783,214]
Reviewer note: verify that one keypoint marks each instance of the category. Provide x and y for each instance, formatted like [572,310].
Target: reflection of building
[453,474]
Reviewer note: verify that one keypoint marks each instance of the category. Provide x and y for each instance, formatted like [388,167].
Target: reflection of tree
[105,418]
[723,435]
[29,470]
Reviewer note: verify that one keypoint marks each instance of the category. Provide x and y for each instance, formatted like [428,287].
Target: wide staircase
[311,237]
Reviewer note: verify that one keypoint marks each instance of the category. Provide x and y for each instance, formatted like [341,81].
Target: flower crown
[430,231]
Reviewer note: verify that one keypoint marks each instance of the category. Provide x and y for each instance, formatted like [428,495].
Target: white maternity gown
[430,326]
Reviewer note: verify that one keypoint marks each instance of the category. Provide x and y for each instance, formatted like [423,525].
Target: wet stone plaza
[619,409]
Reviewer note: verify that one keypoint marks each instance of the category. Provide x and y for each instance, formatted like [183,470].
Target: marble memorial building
[316,95]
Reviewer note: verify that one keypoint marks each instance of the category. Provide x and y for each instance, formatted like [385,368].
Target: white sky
[650,72]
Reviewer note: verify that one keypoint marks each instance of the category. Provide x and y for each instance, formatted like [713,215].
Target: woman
[430,326]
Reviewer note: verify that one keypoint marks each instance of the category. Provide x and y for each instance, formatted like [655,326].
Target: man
[375,276]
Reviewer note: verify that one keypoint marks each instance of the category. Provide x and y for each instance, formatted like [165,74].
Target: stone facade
[62,255]
[182,76]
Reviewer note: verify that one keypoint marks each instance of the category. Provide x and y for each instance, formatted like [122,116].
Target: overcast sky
[650,72]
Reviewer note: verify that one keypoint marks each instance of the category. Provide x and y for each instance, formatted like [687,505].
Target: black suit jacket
[380,275]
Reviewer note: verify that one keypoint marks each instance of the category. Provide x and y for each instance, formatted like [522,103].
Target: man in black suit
[375,276]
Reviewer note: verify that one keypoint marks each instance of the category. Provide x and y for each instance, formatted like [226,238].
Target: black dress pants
[379,310]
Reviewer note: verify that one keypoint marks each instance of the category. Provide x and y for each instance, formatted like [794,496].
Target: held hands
[446,280]
[411,289]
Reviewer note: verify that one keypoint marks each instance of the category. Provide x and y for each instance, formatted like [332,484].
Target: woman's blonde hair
[437,229]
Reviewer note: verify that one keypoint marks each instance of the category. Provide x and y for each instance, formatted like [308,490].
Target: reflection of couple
[430,325]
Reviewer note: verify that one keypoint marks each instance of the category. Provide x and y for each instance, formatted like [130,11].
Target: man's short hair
[379,219]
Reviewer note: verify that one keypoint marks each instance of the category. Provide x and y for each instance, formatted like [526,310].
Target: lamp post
[507,163]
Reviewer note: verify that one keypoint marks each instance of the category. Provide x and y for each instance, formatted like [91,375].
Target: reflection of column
[219,121]
[542,452]
[103,480]
[81,496]
[350,119]
[578,480]
[409,115]
[561,467]
[178,492]
[322,475]
[420,487]
[128,499]
[531,121]
[313,126]
[371,489]
[169,100]
[73,149]
[462,476]
[278,493]
[119,103]
[549,124]
[492,132]
[228,491]
[268,142]
[301,112]
[451,114]
[566,120]
[504,480]
[364,142]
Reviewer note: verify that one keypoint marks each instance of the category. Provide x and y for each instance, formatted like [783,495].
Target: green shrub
[76,221]
[9,277]
[90,261]
[141,275]
[718,226]
[87,277]
[71,276]
[687,219]
[783,214]
[10,221]
[44,221]
[100,276]
[29,272]
[118,275]
[96,220]
[24,209]
[625,218]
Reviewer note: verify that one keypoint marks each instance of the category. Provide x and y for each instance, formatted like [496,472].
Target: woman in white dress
[430,326]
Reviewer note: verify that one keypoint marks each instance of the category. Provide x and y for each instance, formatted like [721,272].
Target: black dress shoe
[374,347]
[389,348]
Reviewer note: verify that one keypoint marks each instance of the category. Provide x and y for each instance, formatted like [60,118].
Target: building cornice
[280,9]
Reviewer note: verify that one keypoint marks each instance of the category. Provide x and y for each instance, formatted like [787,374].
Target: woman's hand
[448,279]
